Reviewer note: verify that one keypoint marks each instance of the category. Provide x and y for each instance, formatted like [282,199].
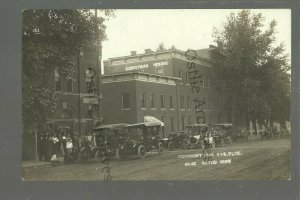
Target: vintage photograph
[156,94]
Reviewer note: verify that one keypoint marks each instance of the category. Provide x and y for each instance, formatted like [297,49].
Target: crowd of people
[55,145]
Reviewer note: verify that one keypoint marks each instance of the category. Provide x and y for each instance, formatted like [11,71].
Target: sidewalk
[34,163]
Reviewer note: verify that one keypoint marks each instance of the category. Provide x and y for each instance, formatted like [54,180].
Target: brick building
[162,85]
[79,96]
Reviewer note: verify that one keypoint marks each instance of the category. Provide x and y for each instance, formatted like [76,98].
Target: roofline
[143,73]
[157,52]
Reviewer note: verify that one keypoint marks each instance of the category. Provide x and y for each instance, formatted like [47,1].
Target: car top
[197,125]
[111,126]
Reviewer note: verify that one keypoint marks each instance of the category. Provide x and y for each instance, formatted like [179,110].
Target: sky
[139,29]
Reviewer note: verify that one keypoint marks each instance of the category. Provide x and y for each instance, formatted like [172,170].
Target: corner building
[160,84]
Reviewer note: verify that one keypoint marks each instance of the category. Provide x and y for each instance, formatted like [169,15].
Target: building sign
[90,100]
[136,67]
[145,66]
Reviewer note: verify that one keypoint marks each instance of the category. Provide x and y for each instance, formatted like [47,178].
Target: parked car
[174,140]
[221,134]
[240,134]
[103,143]
[141,138]
[196,135]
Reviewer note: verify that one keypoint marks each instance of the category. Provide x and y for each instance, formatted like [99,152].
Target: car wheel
[229,141]
[185,145]
[160,148]
[202,145]
[171,146]
[222,142]
[213,145]
[142,151]
[99,155]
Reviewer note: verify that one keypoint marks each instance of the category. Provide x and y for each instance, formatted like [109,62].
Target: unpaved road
[260,160]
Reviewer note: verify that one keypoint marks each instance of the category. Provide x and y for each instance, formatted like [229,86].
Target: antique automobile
[103,143]
[221,134]
[196,134]
[239,134]
[141,138]
[174,140]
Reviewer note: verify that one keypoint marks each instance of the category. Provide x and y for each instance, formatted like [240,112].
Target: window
[162,101]
[208,81]
[152,100]
[182,123]
[187,78]
[182,101]
[125,100]
[143,100]
[163,119]
[188,100]
[57,81]
[190,119]
[172,119]
[203,81]
[159,70]
[69,84]
[181,77]
[171,102]
[90,74]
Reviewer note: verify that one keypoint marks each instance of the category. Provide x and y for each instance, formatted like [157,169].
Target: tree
[254,68]
[51,39]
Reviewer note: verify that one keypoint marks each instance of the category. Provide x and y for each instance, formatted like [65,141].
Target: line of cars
[124,140]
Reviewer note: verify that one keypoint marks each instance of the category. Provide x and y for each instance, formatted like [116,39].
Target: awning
[152,121]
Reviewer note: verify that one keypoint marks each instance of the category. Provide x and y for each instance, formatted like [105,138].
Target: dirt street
[255,160]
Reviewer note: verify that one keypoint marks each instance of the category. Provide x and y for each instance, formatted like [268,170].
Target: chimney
[148,51]
[133,53]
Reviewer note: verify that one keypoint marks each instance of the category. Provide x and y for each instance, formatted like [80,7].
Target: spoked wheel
[142,151]
[100,155]
[160,148]
[185,144]
[213,145]
[171,146]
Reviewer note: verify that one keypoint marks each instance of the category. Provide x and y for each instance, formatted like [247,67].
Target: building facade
[79,95]
[164,85]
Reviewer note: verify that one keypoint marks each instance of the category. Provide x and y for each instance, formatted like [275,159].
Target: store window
[172,119]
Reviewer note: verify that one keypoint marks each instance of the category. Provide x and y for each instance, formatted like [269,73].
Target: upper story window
[159,70]
[57,81]
[182,101]
[171,102]
[125,100]
[162,101]
[90,80]
[69,84]
[188,101]
[143,100]
[187,76]
[152,102]
[181,76]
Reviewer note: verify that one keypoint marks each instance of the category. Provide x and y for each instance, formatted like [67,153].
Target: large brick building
[79,96]
[162,85]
